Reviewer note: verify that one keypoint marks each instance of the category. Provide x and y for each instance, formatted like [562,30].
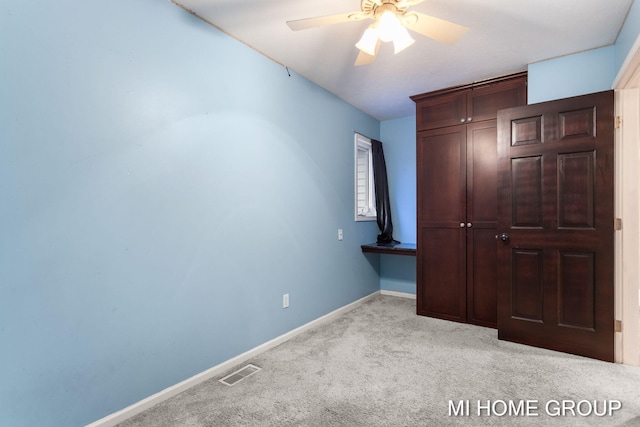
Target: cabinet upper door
[482,174]
[483,102]
[441,111]
[471,103]
[441,177]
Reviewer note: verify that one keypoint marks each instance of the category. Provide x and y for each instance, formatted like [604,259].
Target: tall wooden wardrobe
[456,154]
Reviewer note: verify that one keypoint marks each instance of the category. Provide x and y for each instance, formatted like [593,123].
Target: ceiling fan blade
[320,21]
[435,28]
[364,58]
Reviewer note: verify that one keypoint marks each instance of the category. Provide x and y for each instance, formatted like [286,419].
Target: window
[365,200]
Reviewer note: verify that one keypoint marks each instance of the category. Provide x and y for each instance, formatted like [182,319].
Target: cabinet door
[441,177]
[441,188]
[483,102]
[482,215]
[441,111]
[441,290]
[482,265]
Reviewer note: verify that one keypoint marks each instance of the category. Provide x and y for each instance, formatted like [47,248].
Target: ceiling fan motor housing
[376,8]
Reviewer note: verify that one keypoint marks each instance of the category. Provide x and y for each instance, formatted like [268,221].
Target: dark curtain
[383,206]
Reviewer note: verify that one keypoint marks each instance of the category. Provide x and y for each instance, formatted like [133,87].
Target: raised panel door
[555,192]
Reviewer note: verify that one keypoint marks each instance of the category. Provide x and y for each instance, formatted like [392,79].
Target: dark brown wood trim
[399,249]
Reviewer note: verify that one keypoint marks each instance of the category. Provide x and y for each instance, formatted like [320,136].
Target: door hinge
[617,224]
[617,122]
[618,326]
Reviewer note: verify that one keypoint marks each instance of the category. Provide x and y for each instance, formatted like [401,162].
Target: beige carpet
[381,365]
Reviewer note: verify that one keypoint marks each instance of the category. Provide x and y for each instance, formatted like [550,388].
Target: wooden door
[444,110]
[483,102]
[482,216]
[555,216]
[441,192]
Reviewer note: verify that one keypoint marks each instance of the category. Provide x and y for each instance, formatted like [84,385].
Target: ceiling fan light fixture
[402,41]
[389,26]
[368,41]
[391,21]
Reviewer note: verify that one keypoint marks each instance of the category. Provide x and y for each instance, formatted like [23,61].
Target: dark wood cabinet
[448,109]
[469,103]
[456,154]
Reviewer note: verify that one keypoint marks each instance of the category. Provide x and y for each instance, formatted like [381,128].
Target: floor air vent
[237,376]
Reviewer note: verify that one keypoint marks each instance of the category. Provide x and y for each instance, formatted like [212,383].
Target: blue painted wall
[399,139]
[628,35]
[398,273]
[137,246]
[584,72]
[162,186]
[572,75]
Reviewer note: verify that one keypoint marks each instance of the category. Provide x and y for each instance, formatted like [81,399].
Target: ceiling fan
[392,19]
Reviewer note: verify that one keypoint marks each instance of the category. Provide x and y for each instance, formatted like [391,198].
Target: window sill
[366,218]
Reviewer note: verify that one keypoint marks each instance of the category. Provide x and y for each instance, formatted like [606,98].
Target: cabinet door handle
[462,225]
[469,224]
[462,120]
[469,119]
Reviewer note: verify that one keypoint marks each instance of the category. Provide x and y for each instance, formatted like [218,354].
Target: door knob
[462,225]
[469,225]
[504,237]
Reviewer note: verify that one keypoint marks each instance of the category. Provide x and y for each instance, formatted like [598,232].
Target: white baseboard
[132,410]
[398,294]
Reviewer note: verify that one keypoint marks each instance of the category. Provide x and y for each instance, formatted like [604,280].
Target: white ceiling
[504,36]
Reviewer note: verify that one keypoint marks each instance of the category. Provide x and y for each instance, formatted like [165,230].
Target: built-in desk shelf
[408,249]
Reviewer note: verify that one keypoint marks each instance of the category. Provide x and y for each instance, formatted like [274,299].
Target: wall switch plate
[285,300]
[340,234]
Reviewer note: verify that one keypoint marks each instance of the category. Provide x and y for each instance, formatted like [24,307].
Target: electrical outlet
[285,300]
[340,234]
